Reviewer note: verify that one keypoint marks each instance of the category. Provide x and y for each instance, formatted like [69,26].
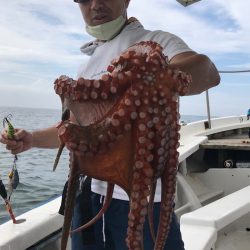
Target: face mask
[106,31]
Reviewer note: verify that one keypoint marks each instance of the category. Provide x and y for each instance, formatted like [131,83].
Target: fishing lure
[13,178]
[3,191]
[3,194]
[13,175]
[10,130]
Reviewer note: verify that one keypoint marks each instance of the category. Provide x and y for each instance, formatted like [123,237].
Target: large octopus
[133,140]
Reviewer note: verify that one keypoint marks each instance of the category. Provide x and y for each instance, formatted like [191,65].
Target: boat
[214,184]
[212,197]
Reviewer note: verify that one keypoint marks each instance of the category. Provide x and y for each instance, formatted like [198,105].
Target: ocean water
[38,183]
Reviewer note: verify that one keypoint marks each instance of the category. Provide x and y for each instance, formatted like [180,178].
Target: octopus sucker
[132,137]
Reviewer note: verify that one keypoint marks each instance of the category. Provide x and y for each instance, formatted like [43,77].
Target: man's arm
[46,138]
[203,71]
[24,140]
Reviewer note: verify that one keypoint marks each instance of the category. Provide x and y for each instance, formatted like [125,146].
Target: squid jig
[4,195]
[13,174]
[10,129]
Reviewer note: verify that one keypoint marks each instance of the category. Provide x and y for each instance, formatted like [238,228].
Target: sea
[38,183]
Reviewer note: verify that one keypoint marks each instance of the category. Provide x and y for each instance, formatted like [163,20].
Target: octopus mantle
[132,140]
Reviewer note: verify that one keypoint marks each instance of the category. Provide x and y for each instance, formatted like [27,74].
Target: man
[107,22]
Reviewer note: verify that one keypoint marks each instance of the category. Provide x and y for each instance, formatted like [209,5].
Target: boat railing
[208,123]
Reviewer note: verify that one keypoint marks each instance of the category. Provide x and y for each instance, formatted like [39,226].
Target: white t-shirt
[102,54]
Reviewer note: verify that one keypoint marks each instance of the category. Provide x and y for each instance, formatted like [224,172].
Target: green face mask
[106,31]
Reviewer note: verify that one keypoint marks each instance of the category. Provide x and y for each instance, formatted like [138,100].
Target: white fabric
[107,31]
[102,54]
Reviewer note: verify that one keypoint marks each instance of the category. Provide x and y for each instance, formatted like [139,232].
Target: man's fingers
[19,134]
[3,136]
[15,149]
[5,140]
[14,146]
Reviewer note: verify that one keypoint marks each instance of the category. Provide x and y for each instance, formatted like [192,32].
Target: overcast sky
[40,40]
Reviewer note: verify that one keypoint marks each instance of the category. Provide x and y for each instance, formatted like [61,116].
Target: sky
[40,40]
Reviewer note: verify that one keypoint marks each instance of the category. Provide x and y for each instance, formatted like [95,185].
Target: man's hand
[21,142]
[202,70]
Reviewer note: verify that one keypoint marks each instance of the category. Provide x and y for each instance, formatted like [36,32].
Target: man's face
[97,12]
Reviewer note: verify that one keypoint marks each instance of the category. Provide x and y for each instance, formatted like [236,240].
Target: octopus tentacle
[106,203]
[151,210]
[168,190]
[142,178]
[70,200]
[134,141]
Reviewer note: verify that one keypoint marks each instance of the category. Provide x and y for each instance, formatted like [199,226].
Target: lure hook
[7,119]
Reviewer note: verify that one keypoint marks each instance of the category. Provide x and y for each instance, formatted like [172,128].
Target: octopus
[133,140]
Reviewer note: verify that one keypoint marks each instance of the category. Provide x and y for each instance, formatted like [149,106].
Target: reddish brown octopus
[132,141]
